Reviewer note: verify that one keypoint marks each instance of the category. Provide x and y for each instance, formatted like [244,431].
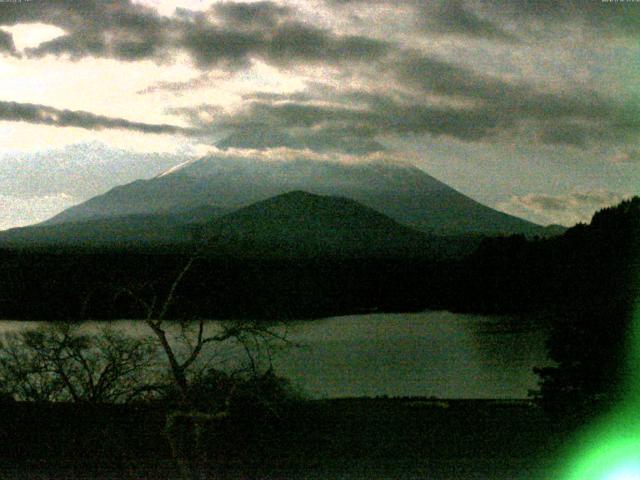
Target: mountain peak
[299,223]
[398,190]
[299,206]
[298,195]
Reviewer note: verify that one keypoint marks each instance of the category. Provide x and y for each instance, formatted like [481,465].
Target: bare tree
[60,363]
[187,353]
[185,347]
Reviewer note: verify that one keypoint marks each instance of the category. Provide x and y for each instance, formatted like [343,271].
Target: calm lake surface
[428,354]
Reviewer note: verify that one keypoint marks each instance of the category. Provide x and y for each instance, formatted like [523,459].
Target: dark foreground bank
[331,439]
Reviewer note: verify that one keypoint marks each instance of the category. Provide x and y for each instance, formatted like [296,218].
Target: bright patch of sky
[168,7]
[30,35]
[20,211]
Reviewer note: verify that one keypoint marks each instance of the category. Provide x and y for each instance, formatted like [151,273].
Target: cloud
[615,18]
[256,15]
[569,134]
[416,95]
[374,85]
[200,81]
[318,140]
[42,114]
[229,34]
[81,170]
[210,46]
[579,117]
[505,98]
[567,209]
[132,39]
[288,42]
[483,19]
[265,124]
[296,40]
[421,95]
[351,123]
[21,211]
[6,44]
[454,17]
[284,154]
[114,29]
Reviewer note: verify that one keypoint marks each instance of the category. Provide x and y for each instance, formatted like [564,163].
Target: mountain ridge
[299,223]
[294,224]
[398,190]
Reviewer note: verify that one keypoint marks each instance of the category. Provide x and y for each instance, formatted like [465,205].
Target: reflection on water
[429,354]
[432,353]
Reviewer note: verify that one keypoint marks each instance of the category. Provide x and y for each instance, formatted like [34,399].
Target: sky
[529,106]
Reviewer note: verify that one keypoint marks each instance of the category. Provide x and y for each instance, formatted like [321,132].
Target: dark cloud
[31,113]
[76,45]
[579,117]
[471,105]
[211,46]
[466,124]
[358,2]
[289,42]
[255,15]
[352,121]
[266,121]
[115,28]
[326,139]
[264,124]
[88,15]
[88,43]
[565,134]
[6,44]
[506,98]
[546,202]
[602,16]
[231,33]
[296,115]
[308,43]
[569,201]
[453,16]
[483,19]
[457,17]
[438,76]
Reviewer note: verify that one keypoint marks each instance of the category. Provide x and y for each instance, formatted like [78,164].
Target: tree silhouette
[188,423]
[58,362]
[589,343]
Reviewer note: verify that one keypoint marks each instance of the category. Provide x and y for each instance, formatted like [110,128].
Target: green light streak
[610,449]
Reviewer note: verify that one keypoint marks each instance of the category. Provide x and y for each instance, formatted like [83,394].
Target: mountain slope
[34,185]
[291,225]
[302,224]
[123,231]
[400,191]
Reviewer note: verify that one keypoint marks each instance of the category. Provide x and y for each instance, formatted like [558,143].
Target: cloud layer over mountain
[467,77]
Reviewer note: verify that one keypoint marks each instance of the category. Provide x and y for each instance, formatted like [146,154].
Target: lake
[439,354]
